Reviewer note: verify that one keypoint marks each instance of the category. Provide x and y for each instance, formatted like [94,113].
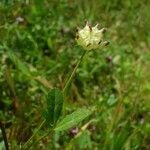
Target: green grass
[39,53]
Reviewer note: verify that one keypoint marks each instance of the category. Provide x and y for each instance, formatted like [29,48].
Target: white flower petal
[90,37]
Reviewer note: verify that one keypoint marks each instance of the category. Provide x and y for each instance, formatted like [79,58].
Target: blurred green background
[38,51]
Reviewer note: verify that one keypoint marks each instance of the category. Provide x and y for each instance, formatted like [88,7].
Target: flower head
[90,37]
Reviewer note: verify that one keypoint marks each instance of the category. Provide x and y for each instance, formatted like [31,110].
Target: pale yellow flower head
[90,37]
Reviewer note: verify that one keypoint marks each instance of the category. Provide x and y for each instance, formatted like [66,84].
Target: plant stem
[46,134]
[30,139]
[4,135]
[72,74]
[26,146]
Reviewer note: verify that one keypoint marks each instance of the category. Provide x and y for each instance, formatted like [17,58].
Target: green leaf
[71,120]
[111,100]
[120,140]
[49,43]
[2,145]
[121,137]
[38,2]
[16,61]
[54,106]
[84,140]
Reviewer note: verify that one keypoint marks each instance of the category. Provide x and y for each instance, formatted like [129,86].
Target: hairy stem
[72,74]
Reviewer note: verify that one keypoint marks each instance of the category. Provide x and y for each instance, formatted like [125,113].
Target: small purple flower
[109,58]
[74,131]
